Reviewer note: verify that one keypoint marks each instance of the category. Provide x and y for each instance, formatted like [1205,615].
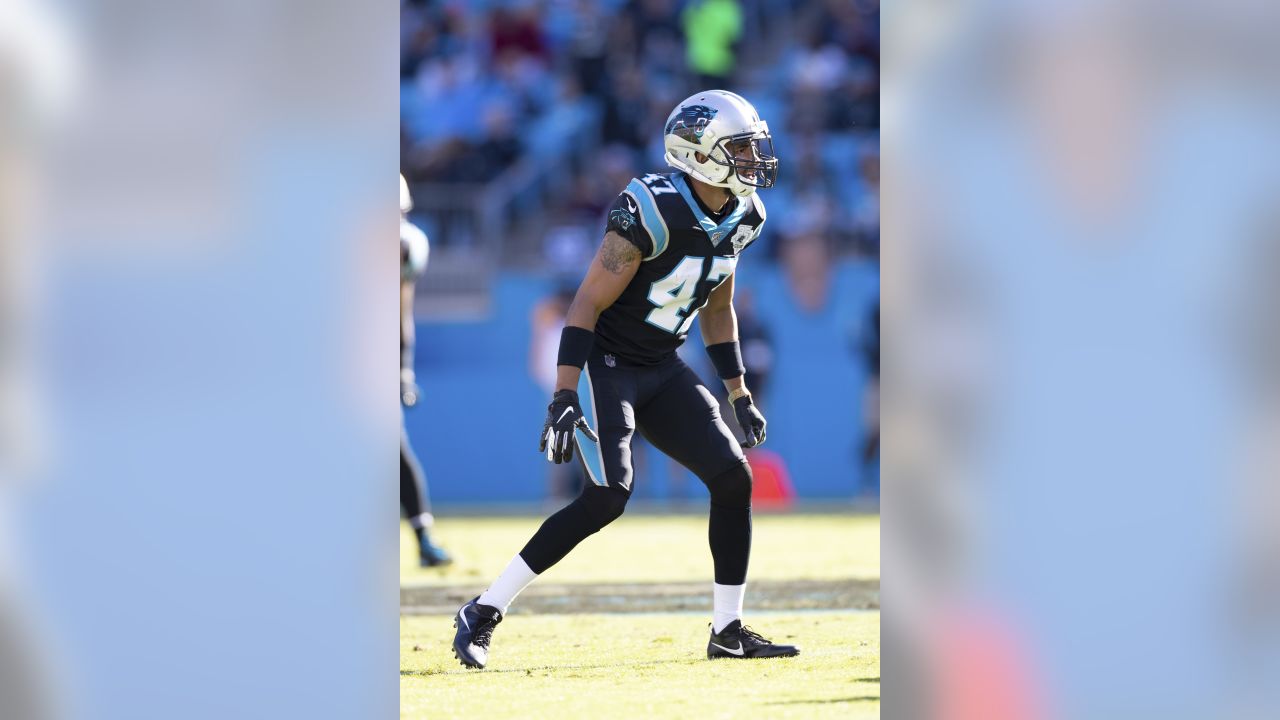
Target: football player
[413,485]
[671,245]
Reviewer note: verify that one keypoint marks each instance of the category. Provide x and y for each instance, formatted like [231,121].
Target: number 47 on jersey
[674,293]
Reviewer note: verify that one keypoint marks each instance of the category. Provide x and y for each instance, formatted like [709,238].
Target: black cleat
[475,624]
[740,641]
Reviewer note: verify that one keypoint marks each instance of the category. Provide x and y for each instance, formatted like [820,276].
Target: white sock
[422,522]
[727,606]
[515,578]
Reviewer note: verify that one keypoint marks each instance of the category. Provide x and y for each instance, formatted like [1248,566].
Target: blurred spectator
[820,66]
[852,25]
[656,38]
[807,264]
[498,149]
[865,214]
[856,103]
[712,29]
[757,345]
[626,115]
[427,31]
[588,47]
[552,83]
[569,248]
[597,187]
[517,31]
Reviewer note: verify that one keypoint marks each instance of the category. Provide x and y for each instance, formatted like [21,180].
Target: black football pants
[413,484]
[669,405]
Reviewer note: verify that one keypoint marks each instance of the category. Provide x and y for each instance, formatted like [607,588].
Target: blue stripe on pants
[592,458]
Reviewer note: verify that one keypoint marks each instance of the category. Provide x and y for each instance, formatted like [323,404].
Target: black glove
[750,420]
[409,392]
[563,415]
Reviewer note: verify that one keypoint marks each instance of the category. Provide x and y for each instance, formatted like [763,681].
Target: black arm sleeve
[624,219]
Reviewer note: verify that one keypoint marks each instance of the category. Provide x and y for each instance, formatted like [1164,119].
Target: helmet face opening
[750,156]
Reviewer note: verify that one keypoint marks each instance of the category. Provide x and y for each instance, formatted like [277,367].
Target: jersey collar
[717,232]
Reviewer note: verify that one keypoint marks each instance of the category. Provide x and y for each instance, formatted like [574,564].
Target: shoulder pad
[759,205]
[650,216]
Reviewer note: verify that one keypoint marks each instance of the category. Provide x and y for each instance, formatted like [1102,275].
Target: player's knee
[732,488]
[604,504]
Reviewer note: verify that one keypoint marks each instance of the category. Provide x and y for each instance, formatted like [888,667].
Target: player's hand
[750,420]
[564,414]
[409,392]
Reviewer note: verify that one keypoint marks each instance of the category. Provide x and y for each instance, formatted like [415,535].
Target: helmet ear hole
[699,157]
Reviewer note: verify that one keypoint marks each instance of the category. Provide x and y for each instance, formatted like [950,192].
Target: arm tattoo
[616,254]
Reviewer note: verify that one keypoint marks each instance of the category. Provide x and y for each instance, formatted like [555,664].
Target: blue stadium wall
[477,426]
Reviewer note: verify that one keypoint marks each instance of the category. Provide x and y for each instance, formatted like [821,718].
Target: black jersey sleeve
[624,219]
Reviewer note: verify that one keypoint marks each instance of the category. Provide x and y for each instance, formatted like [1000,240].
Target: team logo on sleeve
[691,122]
[621,219]
[742,237]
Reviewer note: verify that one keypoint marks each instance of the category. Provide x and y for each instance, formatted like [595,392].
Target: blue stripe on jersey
[653,221]
[717,232]
[592,457]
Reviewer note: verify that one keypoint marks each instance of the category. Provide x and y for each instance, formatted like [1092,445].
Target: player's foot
[739,641]
[475,624]
[432,555]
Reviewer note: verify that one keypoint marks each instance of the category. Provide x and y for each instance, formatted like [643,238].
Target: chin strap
[693,172]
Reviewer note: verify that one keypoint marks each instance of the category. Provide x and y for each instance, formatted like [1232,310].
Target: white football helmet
[406,200]
[734,143]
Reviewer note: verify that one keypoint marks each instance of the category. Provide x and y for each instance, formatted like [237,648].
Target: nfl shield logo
[610,360]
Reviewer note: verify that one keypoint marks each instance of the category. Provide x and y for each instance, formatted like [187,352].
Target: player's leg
[607,396]
[682,419]
[416,506]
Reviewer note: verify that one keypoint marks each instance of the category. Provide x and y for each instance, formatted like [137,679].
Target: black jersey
[686,254]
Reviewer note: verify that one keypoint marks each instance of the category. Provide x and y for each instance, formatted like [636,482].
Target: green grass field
[652,664]
[657,548]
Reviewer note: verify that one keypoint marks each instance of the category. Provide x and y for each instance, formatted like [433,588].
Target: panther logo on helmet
[690,122]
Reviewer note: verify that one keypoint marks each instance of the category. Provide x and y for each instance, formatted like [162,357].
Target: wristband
[727,357]
[739,392]
[575,346]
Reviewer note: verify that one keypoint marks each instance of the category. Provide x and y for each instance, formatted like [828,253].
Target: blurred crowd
[581,89]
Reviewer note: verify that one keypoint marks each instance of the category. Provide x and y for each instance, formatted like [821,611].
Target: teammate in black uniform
[413,484]
[671,245]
